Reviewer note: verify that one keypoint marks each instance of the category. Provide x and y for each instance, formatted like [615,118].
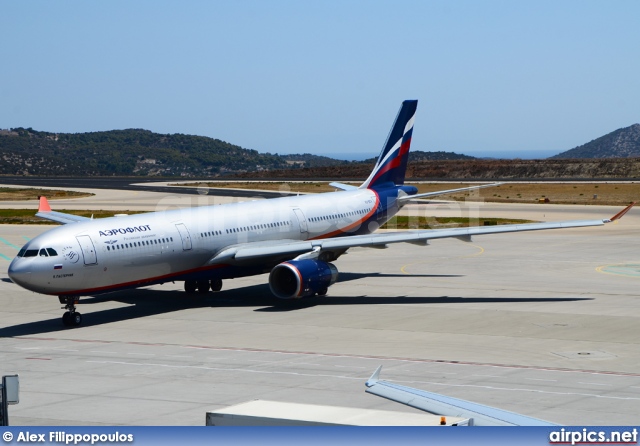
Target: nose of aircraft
[19,272]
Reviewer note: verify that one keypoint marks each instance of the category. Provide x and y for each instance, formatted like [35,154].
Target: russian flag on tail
[392,163]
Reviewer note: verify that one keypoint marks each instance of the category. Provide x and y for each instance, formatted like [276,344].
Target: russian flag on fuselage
[392,162]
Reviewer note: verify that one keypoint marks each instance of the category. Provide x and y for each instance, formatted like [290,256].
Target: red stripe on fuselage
[352,225]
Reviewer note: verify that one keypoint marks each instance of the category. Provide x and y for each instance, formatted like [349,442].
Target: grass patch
[305,187]
[22,194]
[405,222]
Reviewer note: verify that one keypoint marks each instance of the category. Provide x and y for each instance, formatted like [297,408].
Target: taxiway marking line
[345,355]
[359,378]
[8,243]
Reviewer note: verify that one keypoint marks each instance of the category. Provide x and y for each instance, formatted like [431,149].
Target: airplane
[294,239]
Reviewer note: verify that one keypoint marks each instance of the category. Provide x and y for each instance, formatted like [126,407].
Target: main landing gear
[202,286]
[71,318]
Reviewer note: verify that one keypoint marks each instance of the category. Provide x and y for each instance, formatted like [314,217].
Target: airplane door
[88,250]
[184,235]
[302,221]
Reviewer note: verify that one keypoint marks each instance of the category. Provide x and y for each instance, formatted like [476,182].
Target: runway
[135,185]
[543,323]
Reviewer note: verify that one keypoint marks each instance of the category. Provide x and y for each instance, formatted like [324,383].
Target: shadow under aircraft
[141,303]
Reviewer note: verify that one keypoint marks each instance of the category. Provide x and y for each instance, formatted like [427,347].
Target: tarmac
[542,323]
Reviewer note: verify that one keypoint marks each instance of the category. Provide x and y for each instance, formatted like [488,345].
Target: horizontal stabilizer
[343,186]
[406,198]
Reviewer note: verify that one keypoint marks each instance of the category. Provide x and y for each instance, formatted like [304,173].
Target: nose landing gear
[71,318]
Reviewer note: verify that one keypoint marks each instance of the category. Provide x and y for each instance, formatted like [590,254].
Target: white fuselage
[136,250]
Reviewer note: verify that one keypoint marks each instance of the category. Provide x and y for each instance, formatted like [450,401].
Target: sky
[493,78]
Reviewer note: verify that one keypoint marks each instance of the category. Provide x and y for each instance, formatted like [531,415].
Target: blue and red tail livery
[392,162]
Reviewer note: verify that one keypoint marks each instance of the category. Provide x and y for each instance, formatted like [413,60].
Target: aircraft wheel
[323,292]
[216,284]
[76,319]
[203,286]
[66,319]
[190,286]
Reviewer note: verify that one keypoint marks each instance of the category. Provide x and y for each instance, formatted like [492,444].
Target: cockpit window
[43,252]
[29,253]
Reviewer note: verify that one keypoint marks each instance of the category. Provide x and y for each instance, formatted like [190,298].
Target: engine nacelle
[302,278]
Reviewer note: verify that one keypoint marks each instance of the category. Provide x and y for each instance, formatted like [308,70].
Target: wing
[44,211]
[248,252]
[407,198]
[444,405]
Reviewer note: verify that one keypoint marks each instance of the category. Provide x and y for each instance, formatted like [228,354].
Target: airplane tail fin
[392,162]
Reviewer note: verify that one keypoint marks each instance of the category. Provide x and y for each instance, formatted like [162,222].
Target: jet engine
[302,278]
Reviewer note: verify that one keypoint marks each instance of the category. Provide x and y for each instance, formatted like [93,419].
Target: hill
[622,143]
[137,152]
[309,160]
[125,152]
[418,155]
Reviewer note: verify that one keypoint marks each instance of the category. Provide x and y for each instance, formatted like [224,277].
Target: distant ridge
[138,152]
[622,143]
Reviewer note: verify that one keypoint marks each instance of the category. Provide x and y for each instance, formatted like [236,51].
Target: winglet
[44,205]
[620,214]
[44,211]
[374,378]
